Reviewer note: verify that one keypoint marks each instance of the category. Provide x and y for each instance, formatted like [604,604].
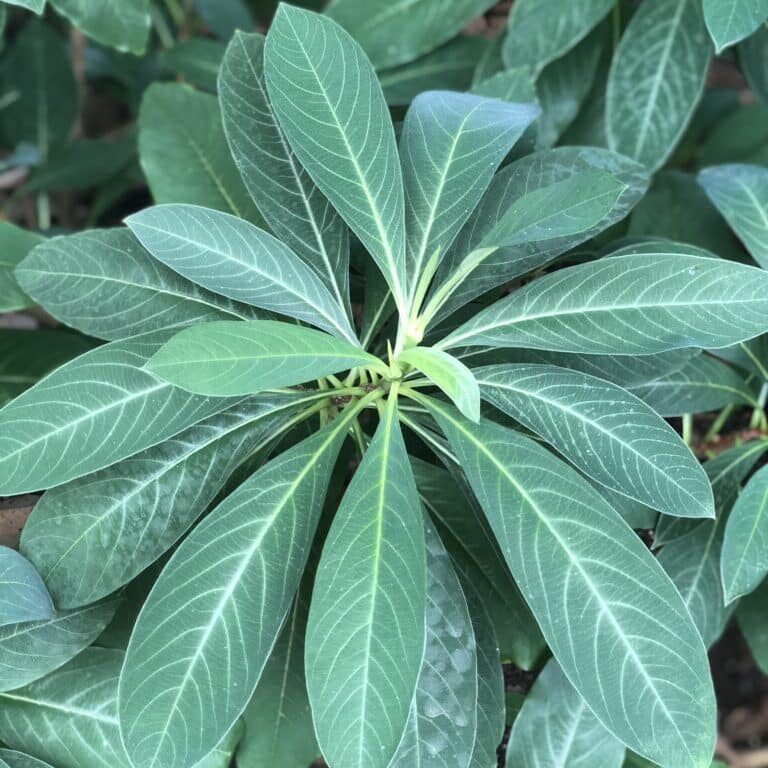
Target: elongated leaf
[103,283]
[753,624]
[656,79]
[219,604]
[394,33]
[704,384]
[743,561]
[366,630]
[729,21]
[47,439]
[15,759]
[538,33]
[23,594]
[623,652]
[33,649]
[236,358]
[15,244]
[442,724]
[609,434]
[121,24]
[626,305]
[184,152]
[555,729]
[448,373]
[451,145]
[77,533]
[340,130]
[292,205]
[740,193]
[231,257]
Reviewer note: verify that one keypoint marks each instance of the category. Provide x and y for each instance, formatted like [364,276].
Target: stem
[758,414]
[431,441]
[176,12]
[43,211]
[357,434]
[161,27]
[688,428]
[718,423]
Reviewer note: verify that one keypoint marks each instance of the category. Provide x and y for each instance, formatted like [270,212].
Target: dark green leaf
[15,244]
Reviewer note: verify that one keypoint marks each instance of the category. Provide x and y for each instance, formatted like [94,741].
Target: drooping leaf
[623,652]
[23,594]
[608,433]
[634,304]
[77,534]
[197,60]
[366,630]
[340,130]
[753,624]
[231,257]
[103,283]
[656,79]
[219,603]
[556,729]
[730,21]
[292,205]
[740,193]
[184,153]
[241,358]
[395,33]
[539,33]
[743,559]
[442,725]
[15,244]
[47,438]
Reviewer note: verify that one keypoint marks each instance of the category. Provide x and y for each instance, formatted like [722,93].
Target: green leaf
[340,130]
[608,433]
[103,283]
[753,624]
[754,63]
[366,630]
[451,145]
[47,439]
[15,759]
[740,193]
[76,534]
[703,384]
[33,649]
[450,375]
[236,358]
[538,34]
[184,153]
[219,604]
[730,21]
[635,304]
[225,17]
[37,67]
[15,244]
[36,6]
[120,24]
[292,205]
[656,79]
[197,60]
[743,561]
[278,720]
[395,33]
[555,728]
[623,651]
[233,258]
[23,594]
[442,725]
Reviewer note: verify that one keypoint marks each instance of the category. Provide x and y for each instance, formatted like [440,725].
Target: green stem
[43,211]
[719,423]
[161,27]
[176,12]
[688,428]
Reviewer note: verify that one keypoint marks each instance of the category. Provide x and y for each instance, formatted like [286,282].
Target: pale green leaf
[241,358]
[442,724]
[508,85]
[184,153]
[613,619]
[397,32]
[47,438]
[36,6]
[538,33]
[450,375]
[103,283]
[730,21]
[743,561]
[740,193]
[219,604]
[331,108]
[233,258]
[634,304]
[23,594]
[608,433]
[15,759]
[555,729]
[15,244]
[656,79]
[292,205]
[366,630]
